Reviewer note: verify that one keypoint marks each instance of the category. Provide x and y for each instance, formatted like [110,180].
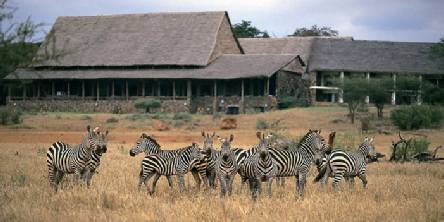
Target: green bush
[286,102]
[416,116]
[184,116]
[147,104]
[10,116]
[262,124]
[412,147]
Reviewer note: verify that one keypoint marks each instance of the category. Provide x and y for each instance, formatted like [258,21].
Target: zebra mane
[304,138]
[151,139]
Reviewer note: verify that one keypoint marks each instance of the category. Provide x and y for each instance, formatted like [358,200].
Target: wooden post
[112,89]
[98,90]
[242,97]
[189,92]
[367,98]
[394,89]
[158,88]
[174,89]
[143,88]
[83,89]
[53,88]
[215,96]
[126,90]
[341,93]
[24,92]
[69,89]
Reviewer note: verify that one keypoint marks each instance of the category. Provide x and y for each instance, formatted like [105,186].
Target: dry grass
[396,192]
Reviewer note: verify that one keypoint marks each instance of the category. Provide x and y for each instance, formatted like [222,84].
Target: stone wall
[251,103]
[292,84]
[90,106]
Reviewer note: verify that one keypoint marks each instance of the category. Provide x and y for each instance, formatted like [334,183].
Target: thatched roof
[184,39]
[374,56]
[290,45]
[224,67]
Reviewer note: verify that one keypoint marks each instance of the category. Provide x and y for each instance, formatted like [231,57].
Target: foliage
[354,92]
[379,93]
[147,104]
[286,102]
[438,49]
[262,124]
[315,31]
[112,120]
[10,116]
[416,116]
[246,30]
[184,116]
[411,147]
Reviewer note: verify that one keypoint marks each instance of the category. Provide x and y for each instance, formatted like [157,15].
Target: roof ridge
[142,14]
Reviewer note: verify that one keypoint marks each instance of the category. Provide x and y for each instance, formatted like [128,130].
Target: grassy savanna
[396,192]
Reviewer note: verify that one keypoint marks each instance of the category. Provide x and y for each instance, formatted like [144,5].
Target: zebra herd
[264,162]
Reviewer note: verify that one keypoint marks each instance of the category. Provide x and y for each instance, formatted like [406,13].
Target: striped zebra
[259,167]
[149,146]
[339,164]
[211,158]
[226,166]
[297,162]
[156,165]
[93,164]
[63,159]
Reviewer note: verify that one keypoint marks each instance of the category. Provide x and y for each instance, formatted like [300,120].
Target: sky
[391,20]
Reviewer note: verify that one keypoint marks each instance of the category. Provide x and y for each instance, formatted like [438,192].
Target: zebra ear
[231,138]
[106,133]
[214,134]
[203,133]
[144,135]
[88,128]
[371,140]
[258,135]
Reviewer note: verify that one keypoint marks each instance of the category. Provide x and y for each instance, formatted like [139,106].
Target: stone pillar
[24,92]
[242,97]
[69,88]
[112,89]
[143,88]
[189,93]
[126,90]
[83,89]
[174,89]
[394,89]
[158,88]
[98,90]
[341,93]
[419,98]
[215,96]
[367,98]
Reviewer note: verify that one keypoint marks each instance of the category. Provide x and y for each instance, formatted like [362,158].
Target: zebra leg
[58,177]
[52,171]
[203,175]
[223,186]
[170,182]
[337,179]
[363,178]
[230,184]
[324,179]
[301,185]
[212,179]
[256,188]
[153,187]
[243,181]
[270,183]
[196,178]
[181,182]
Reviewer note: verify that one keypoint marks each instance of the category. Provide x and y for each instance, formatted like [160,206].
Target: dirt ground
[396,192]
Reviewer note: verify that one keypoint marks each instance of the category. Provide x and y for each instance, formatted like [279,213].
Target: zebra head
[102,142]
[196,154]
[367,148]
[93,140]
[313,144]
[145,144]
[225,145]
[208,140]
[264,145]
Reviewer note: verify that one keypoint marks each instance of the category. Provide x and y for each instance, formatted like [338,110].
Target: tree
[438,49]
[354,92]
[246,30]
[378,91]
[315,31]
[17,44]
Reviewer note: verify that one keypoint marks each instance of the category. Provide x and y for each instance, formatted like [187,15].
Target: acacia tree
[315,31]
[246,30]
[354,92]
[378,91]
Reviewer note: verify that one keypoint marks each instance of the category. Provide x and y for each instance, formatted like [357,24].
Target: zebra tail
[321,173]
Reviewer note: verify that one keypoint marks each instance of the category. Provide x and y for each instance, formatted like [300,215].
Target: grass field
[396,192]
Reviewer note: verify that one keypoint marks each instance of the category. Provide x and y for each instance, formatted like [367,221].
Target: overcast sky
[393,20]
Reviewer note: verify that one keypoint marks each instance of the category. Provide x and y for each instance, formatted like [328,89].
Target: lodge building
[193,62]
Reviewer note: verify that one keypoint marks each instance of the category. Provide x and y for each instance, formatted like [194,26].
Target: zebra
[156,165]
[226,166]
[149,146]
[62,158]
[341,164]
[211,159]
[259,168]
[297,162]
[94,162]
